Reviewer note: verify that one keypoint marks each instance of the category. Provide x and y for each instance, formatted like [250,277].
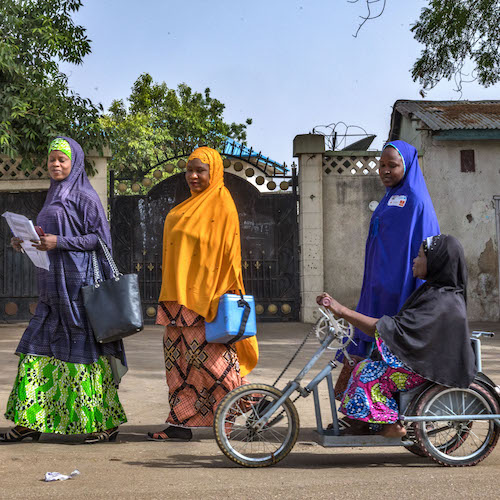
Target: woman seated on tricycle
[427,340]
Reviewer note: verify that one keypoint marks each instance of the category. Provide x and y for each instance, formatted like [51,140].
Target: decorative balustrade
[344,163]
[10,170]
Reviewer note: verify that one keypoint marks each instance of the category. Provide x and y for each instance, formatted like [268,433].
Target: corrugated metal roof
[451,115]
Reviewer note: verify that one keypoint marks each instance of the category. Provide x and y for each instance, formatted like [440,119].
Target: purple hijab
[76,187]
[74,213]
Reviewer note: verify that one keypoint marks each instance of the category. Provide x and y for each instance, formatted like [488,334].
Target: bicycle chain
[294,356]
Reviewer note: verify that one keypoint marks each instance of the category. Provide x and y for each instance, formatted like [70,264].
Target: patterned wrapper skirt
[370,392]
[199,374]
[54,396]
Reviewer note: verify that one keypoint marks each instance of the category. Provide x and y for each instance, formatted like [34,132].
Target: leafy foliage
[35,101]
[162,123]
[455,32]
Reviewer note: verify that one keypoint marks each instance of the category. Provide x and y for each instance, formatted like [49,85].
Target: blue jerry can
[226,324]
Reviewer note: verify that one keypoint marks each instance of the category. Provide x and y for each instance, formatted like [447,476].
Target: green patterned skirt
[54,396]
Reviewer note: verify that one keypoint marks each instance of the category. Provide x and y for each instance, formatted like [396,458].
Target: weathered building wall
[346,220]
[465,208]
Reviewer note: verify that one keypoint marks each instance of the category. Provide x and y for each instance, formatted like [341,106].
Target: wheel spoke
[456,442]
[439,429]
[242,442]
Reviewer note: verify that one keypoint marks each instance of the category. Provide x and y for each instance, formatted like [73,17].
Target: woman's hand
[366,324]
[15,243]
[336,307]
[47,242]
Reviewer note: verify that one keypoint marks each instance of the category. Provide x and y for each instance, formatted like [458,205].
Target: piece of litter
[57,476]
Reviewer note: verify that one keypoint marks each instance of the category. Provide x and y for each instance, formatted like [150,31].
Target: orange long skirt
[199,374]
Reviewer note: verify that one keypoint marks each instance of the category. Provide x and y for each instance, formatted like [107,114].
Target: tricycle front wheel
[239,438]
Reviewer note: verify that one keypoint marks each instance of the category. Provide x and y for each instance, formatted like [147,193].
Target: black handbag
[113,306]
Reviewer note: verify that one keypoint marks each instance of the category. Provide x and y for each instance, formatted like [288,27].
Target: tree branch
[370,15]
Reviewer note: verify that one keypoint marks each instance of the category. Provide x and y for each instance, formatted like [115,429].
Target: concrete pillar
[309,149]
[100,180]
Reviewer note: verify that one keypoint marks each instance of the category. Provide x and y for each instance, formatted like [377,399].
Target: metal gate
[18,285]
[269,238]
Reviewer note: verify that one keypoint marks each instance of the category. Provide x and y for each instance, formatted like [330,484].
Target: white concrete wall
[100,180]
[311,233]
[465,209]
[346,220]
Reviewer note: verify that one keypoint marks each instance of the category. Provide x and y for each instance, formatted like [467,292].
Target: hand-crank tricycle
[257,425]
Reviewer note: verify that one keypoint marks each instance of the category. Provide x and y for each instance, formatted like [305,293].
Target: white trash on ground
[57,476]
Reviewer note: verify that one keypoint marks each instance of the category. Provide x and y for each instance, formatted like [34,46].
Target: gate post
[100,180]
[310,148]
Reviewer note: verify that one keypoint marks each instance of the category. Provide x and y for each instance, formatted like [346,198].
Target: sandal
[19,433]
[103,436]
[171,432]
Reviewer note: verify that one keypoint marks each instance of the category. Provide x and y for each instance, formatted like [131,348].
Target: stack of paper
[23,228]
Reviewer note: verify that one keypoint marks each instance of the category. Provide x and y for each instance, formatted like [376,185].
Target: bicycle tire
[410,433]
[466,444]
[233,425]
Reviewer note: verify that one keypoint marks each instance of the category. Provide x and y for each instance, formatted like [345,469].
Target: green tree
[161,123]
[454,33]
[35,102]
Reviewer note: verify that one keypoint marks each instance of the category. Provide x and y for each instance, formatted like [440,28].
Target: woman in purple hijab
[67,382]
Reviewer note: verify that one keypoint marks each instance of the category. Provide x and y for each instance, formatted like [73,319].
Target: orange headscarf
[202,252]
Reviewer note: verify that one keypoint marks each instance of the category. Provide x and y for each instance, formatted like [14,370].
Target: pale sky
[290,65]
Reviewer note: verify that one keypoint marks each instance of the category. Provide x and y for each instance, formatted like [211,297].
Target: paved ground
[133,468]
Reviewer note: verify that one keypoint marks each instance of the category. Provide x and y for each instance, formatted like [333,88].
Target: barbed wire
[336,134]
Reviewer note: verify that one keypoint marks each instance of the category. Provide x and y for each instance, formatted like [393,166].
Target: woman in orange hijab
[201,262]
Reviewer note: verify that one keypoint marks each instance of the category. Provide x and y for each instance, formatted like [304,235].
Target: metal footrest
[329,441]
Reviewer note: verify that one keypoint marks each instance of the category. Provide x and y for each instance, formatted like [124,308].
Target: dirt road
[134,468]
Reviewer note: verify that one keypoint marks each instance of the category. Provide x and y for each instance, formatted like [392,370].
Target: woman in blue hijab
[402,220]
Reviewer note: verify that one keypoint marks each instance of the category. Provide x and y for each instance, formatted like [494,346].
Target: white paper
[23,228]
[57,476]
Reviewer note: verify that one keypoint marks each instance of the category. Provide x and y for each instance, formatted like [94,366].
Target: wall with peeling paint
[465,208]
[334,217]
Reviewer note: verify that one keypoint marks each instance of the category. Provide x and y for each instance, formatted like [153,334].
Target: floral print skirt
[54,396]
[370,392]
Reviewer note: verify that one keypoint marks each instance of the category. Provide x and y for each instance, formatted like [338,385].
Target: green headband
[60,145]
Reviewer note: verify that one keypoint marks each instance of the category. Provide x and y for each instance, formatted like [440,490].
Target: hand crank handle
[326,302]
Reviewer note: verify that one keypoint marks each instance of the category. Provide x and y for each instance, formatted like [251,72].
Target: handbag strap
[246,313]
[95,266]
[109,258]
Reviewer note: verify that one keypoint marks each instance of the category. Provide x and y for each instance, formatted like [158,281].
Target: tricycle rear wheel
[457,443]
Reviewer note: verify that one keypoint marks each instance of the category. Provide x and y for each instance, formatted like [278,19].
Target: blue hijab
[402,220]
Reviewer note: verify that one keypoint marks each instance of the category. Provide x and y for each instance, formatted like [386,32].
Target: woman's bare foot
[393,431]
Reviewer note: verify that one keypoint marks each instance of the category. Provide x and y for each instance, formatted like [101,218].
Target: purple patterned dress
[59,327]
[65,381]
[370,393]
